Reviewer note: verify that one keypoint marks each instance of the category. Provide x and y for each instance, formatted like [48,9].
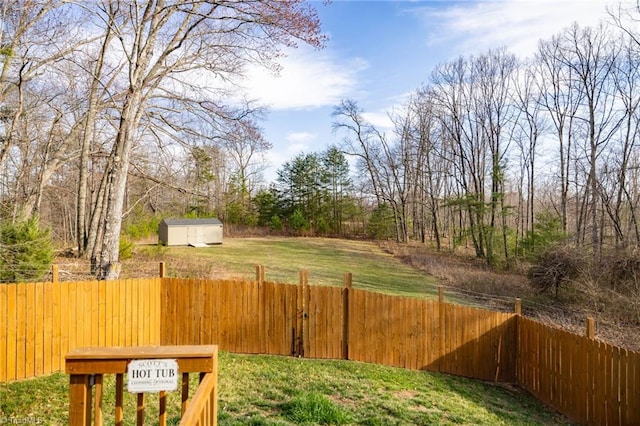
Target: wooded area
[115,114]
[492,149]
[105,105]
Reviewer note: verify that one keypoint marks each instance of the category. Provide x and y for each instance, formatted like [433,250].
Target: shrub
[142,227]
[381,225]
[298,222]
[620,271]
[155,252]
[26,251]
[276,223]
[547,232]
[314,408]
[322,226]
[125,250]
[555,266]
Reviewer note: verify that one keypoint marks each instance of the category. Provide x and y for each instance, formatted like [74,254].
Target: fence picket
[634,392]
[21,334]
[4,324]
[38,326]
[102,314]
[47,330]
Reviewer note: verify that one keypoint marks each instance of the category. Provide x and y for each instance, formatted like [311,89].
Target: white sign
[152,375]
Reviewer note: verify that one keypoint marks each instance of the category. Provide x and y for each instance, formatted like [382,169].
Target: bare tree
[430,163]
[591,56]
[614,184]
[163,43]
[494,73]
[366,146]
[466,151]
[561,99]
[529,127]
[37,131]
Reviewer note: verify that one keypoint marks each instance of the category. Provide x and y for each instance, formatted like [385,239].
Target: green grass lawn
[325,259]
[272,390]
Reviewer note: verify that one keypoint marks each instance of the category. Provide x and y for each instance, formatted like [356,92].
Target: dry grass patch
[476,284]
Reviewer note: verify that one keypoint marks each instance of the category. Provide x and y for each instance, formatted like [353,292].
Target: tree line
[492,151]
[114,112]
[105,104]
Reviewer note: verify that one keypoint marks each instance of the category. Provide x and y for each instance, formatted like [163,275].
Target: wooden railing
[87,366]
[203,410]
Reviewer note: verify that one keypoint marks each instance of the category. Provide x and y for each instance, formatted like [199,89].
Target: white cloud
[379,119]
[296,143]
[299,142]
[518,24]
[308,79]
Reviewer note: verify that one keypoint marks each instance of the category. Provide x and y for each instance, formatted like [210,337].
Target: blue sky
[380,51]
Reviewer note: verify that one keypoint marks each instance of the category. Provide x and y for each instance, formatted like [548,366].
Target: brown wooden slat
[138,306]
[90,313]
[4,324]
[102,313]
[162,408]
[56,336]
[120,292]
[140,407]
[626,383]
[21,338]
[97,405]
[80,400]
[143,287]
[40,321]
[632,391]
[29,353]
[119,408]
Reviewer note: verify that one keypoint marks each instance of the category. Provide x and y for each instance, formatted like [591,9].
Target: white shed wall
[182,235]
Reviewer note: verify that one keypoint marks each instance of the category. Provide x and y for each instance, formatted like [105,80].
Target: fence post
[518,312]
[262,308]
[591,328]
[55,274]
[301,310]
[162,270]
[348,285]
[260,274]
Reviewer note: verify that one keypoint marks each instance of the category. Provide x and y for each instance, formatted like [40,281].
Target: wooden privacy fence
[589,381]
[339,323]
[41,322]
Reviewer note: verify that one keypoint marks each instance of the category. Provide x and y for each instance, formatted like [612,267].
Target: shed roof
[191,222]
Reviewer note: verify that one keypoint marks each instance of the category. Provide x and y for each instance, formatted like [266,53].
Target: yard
[277,390]
[273,390]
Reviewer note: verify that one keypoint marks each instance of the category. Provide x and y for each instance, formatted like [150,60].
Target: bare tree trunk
[82,233]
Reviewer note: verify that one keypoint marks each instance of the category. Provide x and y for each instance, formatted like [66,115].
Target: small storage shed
[193,232]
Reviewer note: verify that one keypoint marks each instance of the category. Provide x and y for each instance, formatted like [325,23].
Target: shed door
[195,234]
